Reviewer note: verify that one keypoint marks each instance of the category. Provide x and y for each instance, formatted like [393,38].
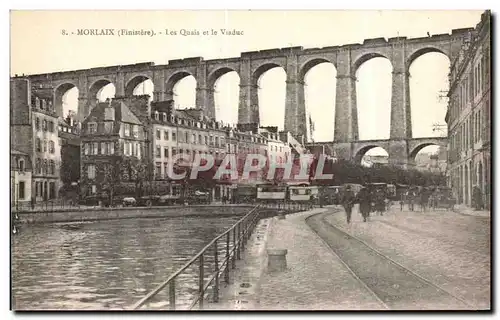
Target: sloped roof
[13,151]
[122,113]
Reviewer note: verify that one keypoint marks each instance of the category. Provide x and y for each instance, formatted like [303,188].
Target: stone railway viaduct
[296,61]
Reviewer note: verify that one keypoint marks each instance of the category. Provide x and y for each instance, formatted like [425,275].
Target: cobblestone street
[315,279]
[449,249]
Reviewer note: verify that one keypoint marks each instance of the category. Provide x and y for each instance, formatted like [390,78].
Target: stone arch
[308,65]
[59,93]
[216,74]
[133,83]
[360,153]
[96,86]
[420,52]
[364,58]
[373,94]
[176,77]
[259,71]
[256,101]
[225,94]
[413,153]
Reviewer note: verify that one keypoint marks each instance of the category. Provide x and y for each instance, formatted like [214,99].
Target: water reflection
[107,264]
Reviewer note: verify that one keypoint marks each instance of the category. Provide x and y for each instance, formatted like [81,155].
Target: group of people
[365,198]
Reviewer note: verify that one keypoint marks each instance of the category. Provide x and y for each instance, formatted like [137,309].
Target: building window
[165,135]
[52,190]
[165,152]
[104,148]
[187,137]
[91,127]
[206,140]
[95,148]
[158,170]
[108,126]
[21,165]
[21,187]
[91,171]
[174,152]
[194,138]
[52,167]
[158,151]
[38,145]
[44,145]
[174,136]
[216,141]
[51,147]
[135,131]
[158,134]
[126,129]
[111,147]
[126,148]
[45,167]
[51,126]
[37,123]
[38,166]
[138,150]
[86,149]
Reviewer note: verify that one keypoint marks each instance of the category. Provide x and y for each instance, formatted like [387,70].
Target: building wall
[20,174]
[469,118]
[43,155]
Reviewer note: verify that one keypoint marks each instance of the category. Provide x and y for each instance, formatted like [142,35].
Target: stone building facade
[34,131]
[469,116]
[113,145]
[20,175]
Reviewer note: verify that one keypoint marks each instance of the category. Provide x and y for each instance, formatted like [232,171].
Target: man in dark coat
[348,199]
[365,201]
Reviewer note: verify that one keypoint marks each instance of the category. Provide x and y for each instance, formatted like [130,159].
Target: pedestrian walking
[364,200]
[380,202]
[477,197]
[348,199]
[424,199]
[411,199]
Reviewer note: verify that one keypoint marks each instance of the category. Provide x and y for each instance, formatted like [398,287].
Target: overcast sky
[38,46]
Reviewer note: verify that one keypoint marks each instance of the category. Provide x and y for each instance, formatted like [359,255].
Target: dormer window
[157,115]
[92,127]
[126,129]
[37,102]
[44,104]
[21,165]
[164,116]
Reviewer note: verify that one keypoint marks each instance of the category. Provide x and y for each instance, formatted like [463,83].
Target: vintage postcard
[250,160]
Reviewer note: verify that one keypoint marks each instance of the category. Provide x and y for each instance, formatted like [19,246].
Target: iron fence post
[226,273]
[200,283]
[243,235]
[216,263]
[239,242]
[234,249]
[171,295]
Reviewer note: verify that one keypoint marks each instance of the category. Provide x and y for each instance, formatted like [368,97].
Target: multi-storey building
[469,116]
[113,143]
[20,175]
[34,131]
[185,132]
[69,140]
[277,150]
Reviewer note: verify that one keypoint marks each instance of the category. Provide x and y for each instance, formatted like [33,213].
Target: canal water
[107,264]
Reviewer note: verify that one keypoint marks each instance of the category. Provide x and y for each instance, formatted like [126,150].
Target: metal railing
[234,241]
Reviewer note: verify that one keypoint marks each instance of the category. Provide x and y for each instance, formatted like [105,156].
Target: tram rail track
[395,286]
